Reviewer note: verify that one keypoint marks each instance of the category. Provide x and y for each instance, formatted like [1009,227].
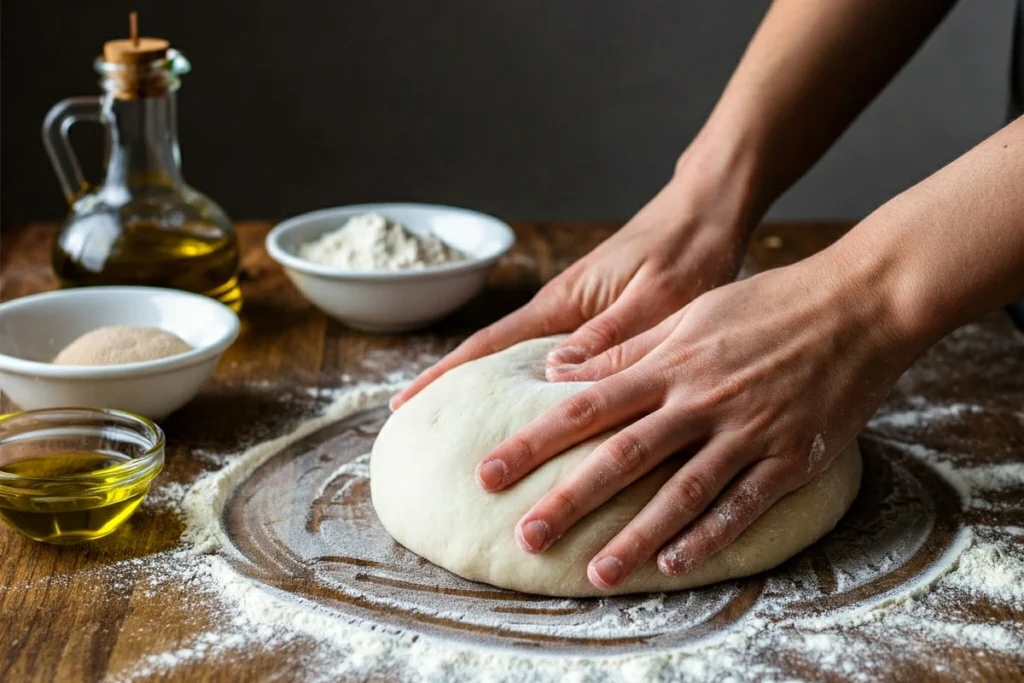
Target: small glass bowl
[69,475]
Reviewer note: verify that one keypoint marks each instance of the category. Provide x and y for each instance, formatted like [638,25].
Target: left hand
[689,238]
[764,380]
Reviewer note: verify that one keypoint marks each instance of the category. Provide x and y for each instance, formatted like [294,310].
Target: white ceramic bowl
[33,329]
[390,300]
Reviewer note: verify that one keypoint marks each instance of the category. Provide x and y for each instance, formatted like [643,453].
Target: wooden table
[59,622]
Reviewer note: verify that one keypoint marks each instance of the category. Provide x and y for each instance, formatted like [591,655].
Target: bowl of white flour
[389,267]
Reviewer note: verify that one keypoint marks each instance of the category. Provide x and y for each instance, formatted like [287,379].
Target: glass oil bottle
[143,225]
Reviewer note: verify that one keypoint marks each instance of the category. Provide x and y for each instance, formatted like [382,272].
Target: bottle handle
[56,125]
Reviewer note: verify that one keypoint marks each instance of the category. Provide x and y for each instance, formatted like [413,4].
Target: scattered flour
[205,500]
[372,242]
[817,453]
[924,415]
[984,563]
[166,497]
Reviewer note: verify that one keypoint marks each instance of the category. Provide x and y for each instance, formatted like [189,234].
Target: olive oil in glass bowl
[70,475]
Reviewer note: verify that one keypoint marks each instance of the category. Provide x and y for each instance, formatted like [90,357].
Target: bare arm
[810,69]
[950,248]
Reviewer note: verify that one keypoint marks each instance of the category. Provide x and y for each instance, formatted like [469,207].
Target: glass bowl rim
[148,464]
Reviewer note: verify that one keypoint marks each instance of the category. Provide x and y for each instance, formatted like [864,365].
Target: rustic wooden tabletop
[63,619]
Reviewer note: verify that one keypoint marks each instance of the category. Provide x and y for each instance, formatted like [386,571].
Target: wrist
[873,280]
[719,175]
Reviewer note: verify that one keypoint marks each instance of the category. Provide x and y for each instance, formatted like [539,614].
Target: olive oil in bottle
[143,225]
[191,258]
[51,504]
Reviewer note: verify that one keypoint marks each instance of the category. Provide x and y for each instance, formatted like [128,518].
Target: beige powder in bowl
[120,344]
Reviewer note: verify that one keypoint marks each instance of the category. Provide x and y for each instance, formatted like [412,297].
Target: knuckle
[636,542]
[523,452]
[580,410]
[677,556]
[759,425]
[603,331]
[628,455]
[679,354]
[564,504]
[616,356]
[690,494]
[710,398]
[736,508]
[653,382]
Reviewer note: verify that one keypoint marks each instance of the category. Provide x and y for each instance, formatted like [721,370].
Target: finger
[528,322]
[747,499]
[626,318]
[616,359]
[679,501]
[611,467]
[596,409]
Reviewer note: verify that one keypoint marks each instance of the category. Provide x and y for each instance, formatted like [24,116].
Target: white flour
[985,562]
[372,242]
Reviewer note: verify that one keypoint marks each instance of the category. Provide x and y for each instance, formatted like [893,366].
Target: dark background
[523,108]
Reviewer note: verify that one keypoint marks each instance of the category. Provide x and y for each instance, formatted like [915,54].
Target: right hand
[687,240]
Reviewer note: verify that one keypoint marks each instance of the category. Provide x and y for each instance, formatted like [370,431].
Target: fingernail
[607,571]
[534,536]
[553,374]
[569,355]
[490,474]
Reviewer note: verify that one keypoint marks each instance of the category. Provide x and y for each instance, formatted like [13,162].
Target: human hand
[688,239]
[764,380]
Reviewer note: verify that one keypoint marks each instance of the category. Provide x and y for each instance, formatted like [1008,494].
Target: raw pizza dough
[424,490]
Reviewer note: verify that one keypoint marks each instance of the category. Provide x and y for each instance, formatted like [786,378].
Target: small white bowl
[34,329]
[393,300]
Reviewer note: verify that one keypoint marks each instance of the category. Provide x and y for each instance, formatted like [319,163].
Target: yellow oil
[195,258]
[56,509]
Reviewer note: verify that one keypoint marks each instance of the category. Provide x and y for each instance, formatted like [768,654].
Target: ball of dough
[120,344]
[423,489]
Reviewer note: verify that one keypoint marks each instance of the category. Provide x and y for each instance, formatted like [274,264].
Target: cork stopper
[135,50]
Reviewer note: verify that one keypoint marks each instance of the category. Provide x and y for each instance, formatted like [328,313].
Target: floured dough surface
[424,491]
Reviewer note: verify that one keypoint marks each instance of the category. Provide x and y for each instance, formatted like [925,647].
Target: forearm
[810,69]
[947,250]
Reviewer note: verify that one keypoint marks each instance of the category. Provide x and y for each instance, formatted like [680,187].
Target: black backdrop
[524,108]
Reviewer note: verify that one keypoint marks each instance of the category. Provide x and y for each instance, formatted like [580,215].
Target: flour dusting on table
[787,628]
[981,565]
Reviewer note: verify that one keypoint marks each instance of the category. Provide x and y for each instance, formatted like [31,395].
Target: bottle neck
[142,142]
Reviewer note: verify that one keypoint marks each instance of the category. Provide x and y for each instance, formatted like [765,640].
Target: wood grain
[63,618]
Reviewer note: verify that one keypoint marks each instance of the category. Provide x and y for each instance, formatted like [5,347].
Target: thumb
[616,359]
[625,319]
[536,319]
